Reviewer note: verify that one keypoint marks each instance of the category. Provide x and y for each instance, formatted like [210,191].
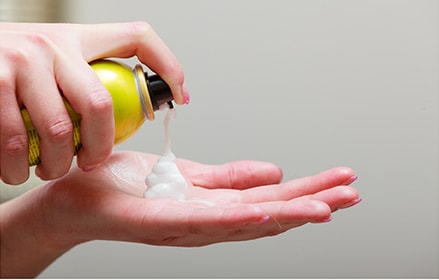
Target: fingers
[297,211]
[45,59]
[50,119]
[135,38]
[338,197]
[251,221]
[234,175]
[300,187]
[187,223]
[311,209]
[161,222]
[324,180]
[29,59]
[93,102]
[14,167]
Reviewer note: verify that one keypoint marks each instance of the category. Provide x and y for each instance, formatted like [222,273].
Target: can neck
[142,89]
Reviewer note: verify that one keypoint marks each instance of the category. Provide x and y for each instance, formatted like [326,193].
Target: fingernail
[350,180]
[325,220]
[89,168]
[38,172]
[185,94]
[350,204]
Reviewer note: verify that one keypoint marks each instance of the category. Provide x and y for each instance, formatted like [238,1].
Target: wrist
[26,248]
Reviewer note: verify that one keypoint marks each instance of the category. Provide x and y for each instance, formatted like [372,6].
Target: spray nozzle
[159,91]
[153,92]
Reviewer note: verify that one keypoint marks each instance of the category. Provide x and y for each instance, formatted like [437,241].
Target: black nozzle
[159,91]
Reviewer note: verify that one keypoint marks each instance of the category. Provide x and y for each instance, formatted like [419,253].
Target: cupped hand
[40,60]
[232,202]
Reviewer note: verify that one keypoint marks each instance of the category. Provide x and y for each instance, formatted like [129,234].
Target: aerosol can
[136,96]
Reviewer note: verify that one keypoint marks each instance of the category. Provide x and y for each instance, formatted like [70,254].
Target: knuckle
[33,45]
[16,145]
[59,129]
[100,103]
[141,29]
[38,39]
[232,176]
[19,56]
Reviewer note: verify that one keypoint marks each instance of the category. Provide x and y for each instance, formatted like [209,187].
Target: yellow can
[135,98]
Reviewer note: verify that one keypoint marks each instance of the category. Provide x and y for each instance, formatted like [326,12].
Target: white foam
[165,179]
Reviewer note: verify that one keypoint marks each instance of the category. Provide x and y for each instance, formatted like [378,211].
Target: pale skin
[249,201]
[37,61]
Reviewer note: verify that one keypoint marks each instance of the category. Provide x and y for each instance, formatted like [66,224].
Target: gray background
[308,85]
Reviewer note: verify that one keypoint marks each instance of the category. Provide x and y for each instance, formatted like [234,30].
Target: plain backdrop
[308,85]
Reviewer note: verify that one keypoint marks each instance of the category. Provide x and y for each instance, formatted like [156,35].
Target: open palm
[231,202]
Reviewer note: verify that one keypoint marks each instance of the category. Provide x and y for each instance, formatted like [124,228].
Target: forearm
[24,252]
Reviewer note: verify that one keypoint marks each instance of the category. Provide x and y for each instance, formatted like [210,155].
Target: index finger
[135,38]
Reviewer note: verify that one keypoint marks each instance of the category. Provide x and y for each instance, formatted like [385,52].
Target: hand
[40,60]
[246,198]
[246,202]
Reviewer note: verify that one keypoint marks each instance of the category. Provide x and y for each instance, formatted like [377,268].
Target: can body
[120,81]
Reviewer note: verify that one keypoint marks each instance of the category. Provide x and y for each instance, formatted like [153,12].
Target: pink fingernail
[325,220]
[350,204]
[185,93]
[350,180]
